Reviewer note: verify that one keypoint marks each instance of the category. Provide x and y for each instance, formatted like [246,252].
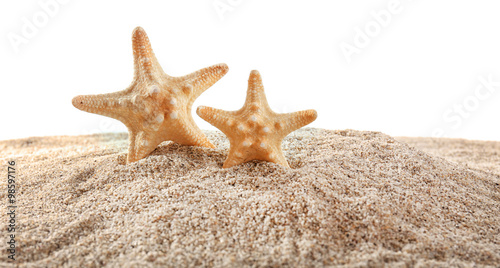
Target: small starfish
[255,132]
[156,107]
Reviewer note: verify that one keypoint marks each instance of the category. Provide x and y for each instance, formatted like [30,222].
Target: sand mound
[351,197]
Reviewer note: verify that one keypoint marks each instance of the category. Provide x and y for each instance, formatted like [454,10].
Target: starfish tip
[138,30]
[200,109]
[254,72]
[312,114]
[255,81]
[221,68]
[78,102]
[227,165]
[139,38]
[204,113]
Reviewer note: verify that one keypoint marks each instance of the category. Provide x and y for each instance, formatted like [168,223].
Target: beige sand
[483,155]
[360,199]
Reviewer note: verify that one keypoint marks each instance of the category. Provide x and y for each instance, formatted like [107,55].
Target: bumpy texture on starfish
[156,107]
[255,132]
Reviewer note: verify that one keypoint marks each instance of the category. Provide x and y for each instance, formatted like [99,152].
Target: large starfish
[255,132]
[156,107]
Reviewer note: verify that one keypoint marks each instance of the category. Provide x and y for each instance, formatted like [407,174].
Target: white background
[405,80]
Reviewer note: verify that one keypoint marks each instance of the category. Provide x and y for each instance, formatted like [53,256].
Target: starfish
[156,107]
[255,132]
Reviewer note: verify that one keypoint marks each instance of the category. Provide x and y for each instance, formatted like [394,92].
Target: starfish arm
[255,92]
[223,120]
[141,144]
[277,157]
[234,157]
[192,135]
[110,105]
[238,154]
[196,83]
[293,121]
[146,65]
